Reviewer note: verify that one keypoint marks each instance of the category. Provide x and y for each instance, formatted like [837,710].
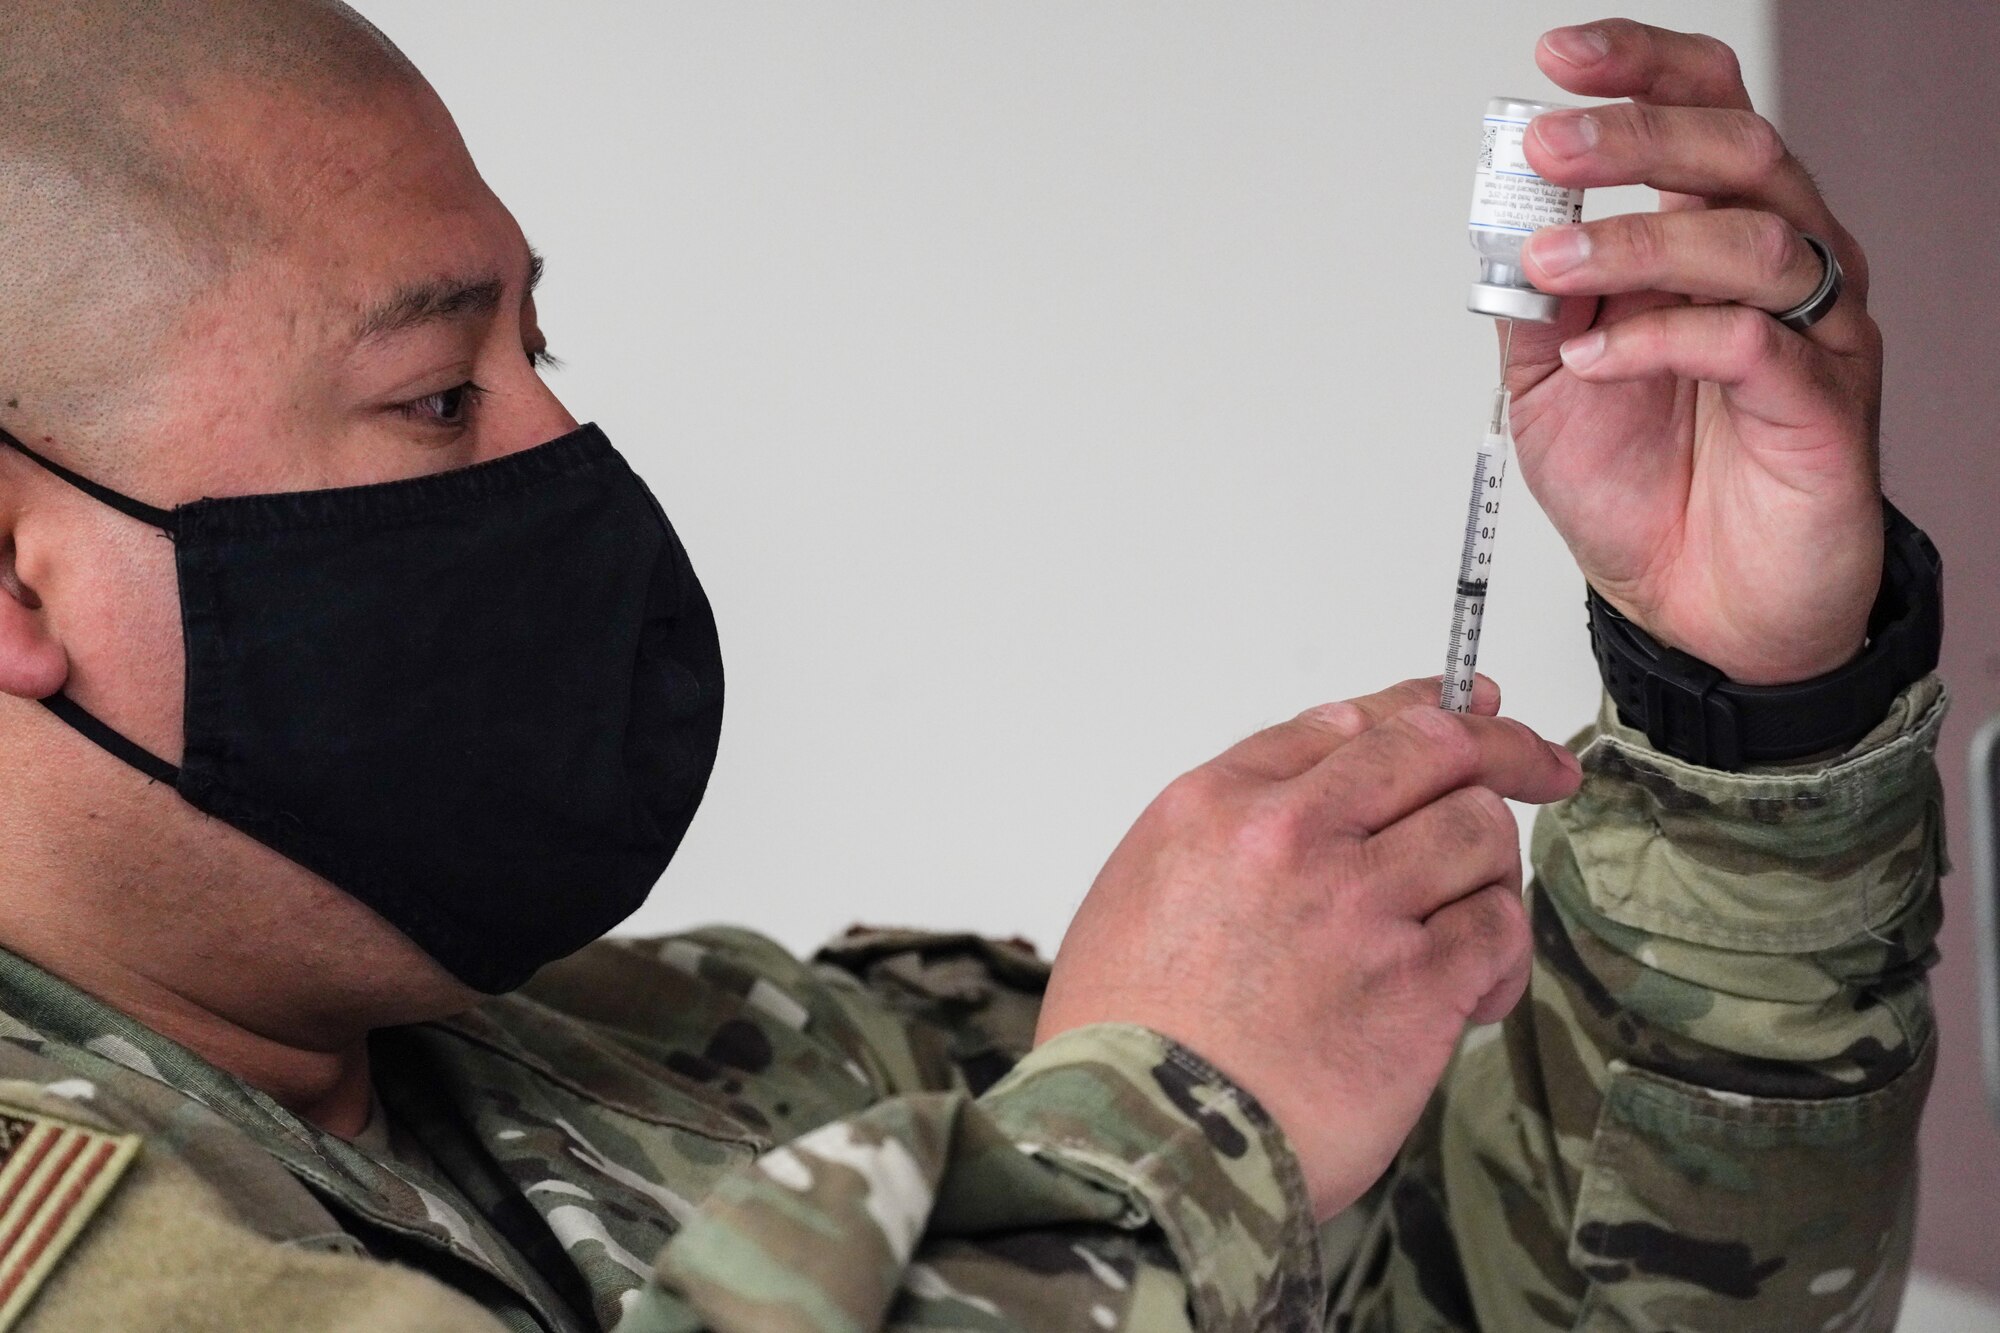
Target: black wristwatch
[1690,710]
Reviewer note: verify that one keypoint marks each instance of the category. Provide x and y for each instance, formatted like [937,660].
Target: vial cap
[1490,298]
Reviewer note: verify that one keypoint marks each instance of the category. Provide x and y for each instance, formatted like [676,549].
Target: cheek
[119,617]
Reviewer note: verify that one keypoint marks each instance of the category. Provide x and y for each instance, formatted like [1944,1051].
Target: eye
[449,409]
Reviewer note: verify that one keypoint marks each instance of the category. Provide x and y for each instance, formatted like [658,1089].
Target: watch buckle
[1684,716]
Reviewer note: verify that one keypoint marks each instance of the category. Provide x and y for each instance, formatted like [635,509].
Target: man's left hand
[1713,472]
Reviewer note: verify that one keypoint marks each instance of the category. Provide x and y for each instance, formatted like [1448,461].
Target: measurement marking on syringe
[1475,558]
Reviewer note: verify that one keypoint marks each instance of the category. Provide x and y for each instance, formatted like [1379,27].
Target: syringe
[1475,560]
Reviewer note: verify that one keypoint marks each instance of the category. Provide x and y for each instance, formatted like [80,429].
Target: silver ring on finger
[1816,307]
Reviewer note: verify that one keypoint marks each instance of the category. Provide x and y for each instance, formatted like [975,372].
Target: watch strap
[1690,710]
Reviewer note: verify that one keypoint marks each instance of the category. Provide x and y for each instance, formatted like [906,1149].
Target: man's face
[387,330]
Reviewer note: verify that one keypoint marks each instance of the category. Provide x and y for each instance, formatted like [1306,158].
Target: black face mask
[485,703]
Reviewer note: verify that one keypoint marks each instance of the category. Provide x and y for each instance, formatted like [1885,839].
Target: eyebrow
[440,299]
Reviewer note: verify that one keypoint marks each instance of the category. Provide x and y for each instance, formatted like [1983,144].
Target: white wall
[1049,393]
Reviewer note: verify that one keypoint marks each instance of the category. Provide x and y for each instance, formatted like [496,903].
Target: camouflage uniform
[1703,1117]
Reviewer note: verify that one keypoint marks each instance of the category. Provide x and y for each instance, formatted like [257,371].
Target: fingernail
[1579,352]
[1568,133]
[1560,249]
[1578,46]
[1568,759]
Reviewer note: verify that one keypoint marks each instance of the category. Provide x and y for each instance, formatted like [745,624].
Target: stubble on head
[133,182]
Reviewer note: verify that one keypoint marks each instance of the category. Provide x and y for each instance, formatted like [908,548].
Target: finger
[1420,754]
[1715,154]
[1726,254]
[1478,950]
[1279,753]
[1451,847]
[1771,372]
[1499,1002]
[1385,704]
[1621,58]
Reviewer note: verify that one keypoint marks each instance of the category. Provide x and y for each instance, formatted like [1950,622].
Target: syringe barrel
[1475,561]
[1468,613]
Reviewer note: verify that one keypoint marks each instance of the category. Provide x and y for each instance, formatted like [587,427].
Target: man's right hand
[1320,911]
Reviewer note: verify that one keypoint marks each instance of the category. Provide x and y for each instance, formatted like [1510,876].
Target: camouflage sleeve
[1111,1180]
[1704,1116]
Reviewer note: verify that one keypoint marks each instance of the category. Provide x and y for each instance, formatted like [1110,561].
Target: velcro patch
[53,1177]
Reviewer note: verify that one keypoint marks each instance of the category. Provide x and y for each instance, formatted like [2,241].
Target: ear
[33,664]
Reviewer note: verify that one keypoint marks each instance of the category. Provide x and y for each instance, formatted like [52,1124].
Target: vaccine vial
[1509,202]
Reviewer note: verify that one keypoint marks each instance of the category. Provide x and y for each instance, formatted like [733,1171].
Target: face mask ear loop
[117,746]
[66,708]
[163,519]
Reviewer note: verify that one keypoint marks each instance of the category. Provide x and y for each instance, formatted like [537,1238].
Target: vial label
[1507,195]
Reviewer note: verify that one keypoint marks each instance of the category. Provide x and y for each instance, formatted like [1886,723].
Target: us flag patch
[53,1176]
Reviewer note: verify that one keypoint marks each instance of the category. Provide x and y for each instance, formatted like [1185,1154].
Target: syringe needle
[1500,395]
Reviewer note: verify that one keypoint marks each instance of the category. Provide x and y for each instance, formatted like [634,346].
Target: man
[420,701]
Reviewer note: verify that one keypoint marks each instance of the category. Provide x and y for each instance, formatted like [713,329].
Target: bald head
[132,177]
